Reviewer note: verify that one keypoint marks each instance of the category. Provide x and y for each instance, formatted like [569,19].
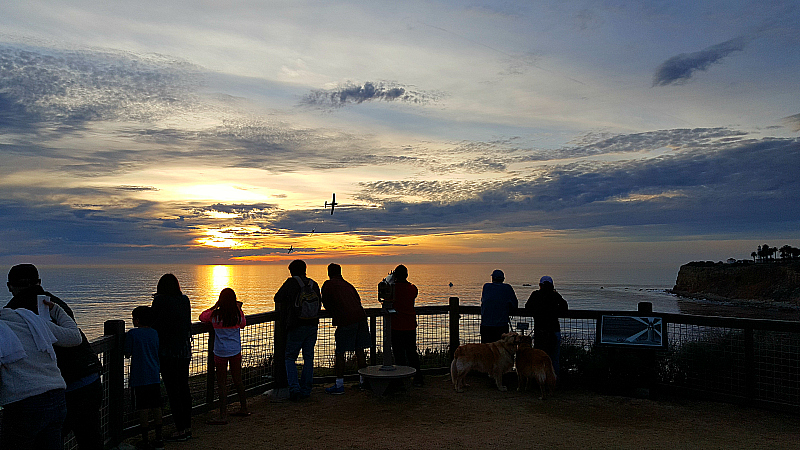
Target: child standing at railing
[227,318]
[141,345]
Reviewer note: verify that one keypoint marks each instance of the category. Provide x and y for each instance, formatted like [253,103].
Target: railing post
[279,355]
[373,345]
[454,316]
[116,379]
[210,369]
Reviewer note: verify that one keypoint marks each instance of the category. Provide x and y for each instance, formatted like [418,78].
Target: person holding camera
[404,323]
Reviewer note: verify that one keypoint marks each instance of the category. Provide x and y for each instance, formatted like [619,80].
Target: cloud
[792,122]
[74,87]
[679,69]
[136,188]
[351,93]
[711,186]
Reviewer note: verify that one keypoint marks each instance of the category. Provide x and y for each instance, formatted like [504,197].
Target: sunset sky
[214,131]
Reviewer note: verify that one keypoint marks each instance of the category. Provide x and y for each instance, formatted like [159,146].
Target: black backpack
[307,304]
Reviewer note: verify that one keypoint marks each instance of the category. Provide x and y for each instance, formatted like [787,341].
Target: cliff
[770,282]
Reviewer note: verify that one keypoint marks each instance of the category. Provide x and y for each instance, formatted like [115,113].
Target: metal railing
[729,359]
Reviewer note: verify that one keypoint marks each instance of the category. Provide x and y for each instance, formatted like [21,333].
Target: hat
[546,279]
[498,274]
[23,275]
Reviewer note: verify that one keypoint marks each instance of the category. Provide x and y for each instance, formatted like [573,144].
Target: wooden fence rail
[731,359]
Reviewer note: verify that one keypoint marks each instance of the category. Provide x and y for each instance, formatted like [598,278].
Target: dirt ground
[437,417]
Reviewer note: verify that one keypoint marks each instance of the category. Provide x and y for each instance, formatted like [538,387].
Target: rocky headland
[776,283]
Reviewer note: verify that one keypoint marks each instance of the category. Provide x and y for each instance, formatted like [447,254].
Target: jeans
[404,348]
[83,415]
[175,375]
[303,338]
[34,422]
[550,342]
[557,354]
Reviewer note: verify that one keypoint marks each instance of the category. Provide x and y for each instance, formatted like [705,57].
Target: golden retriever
[533,363]
[494,358]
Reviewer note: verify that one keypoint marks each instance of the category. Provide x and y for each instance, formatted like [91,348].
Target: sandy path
[482,417]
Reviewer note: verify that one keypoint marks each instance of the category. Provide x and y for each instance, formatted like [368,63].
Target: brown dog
[494,358]
[533,363]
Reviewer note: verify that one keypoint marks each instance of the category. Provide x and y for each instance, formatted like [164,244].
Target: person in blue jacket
[498,301]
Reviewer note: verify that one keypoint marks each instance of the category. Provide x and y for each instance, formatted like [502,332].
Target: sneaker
[179,437]
[335,390]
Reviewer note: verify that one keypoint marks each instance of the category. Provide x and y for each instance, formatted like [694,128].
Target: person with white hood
[31,386]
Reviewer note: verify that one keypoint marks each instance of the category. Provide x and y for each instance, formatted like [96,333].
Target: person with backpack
[298,301]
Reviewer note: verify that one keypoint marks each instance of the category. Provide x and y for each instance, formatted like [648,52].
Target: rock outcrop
[769,282]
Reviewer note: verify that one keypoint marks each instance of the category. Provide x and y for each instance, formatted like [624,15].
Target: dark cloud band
[351,93]
[681,68]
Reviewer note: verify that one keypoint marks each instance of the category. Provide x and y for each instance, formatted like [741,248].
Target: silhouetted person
[141,346]
[80,368]
[32,389]
[404,323]
[172,319]
[341,299]
[546,305]
[227,318]
[301,334]
[498,300]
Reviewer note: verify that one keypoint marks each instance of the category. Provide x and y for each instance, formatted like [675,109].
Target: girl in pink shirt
[227,318]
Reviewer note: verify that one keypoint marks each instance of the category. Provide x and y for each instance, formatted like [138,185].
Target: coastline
[710,304]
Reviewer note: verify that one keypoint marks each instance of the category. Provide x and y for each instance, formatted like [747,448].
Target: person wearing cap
[32,389]
[498,301]
[546,305]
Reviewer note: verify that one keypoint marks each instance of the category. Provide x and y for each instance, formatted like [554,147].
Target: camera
[386,288]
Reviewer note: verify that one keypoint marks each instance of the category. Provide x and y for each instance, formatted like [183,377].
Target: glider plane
[332,203]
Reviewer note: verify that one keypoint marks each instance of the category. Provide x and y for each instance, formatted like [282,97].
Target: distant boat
[526,284]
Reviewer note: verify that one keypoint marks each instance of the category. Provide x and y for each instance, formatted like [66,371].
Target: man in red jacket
[352,334]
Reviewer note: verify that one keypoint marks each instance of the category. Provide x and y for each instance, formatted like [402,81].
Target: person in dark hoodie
[546,306]
[172,319]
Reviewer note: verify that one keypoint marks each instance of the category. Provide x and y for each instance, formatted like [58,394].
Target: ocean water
[100,293]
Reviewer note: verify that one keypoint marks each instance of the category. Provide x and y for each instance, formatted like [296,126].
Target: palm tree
[753,255]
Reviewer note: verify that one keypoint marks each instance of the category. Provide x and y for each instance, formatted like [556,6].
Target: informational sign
[636,331]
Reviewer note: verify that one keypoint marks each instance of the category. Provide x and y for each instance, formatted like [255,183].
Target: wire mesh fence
[754,360]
